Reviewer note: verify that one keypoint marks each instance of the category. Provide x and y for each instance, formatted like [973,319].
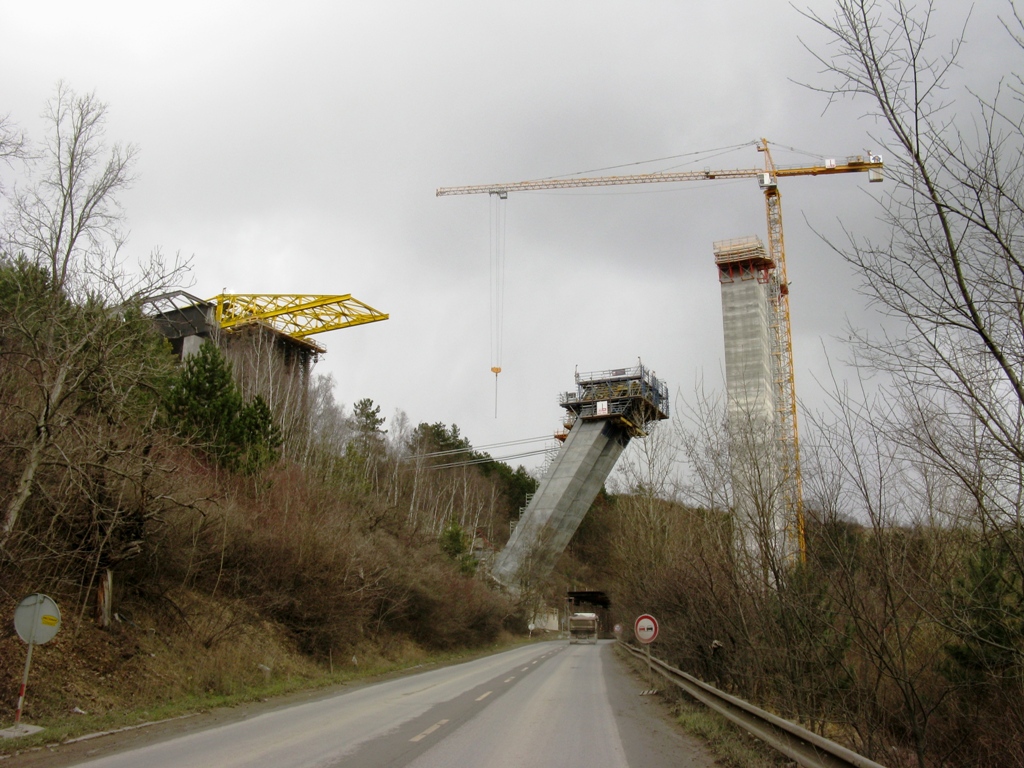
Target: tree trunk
[105,599]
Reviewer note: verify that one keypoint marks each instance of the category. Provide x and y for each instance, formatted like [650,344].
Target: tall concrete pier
[604,413]
[744,272]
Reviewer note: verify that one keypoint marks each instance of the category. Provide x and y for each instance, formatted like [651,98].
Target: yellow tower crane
[782,341]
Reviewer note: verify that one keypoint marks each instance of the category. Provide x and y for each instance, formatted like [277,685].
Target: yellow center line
[481,698]
[429,731]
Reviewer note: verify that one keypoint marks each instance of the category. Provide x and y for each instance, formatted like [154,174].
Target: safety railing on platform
[807,748]
[620,383]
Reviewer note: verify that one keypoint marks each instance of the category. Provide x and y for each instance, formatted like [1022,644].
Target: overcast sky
[296,148]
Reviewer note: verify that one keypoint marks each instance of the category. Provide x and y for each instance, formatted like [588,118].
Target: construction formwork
[744,273]
[606,410]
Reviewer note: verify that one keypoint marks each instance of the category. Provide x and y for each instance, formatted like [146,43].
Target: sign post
[646,630]
[37,621]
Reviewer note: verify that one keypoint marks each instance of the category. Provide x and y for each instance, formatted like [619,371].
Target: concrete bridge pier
[606,410]
[561,502]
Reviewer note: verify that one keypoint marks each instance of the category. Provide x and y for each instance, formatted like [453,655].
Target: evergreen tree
[364,453]
[456,543]
[261,437]
[988,603]
[368,422]
[206,404]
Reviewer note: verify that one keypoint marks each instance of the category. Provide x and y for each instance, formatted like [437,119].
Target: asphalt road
[545,704]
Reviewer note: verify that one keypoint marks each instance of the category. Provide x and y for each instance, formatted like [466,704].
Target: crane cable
[704,155]
[497,260]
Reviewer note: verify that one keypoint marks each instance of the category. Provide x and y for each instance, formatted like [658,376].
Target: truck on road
[583,628]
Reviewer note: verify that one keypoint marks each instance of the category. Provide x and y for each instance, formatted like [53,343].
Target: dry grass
[730,745]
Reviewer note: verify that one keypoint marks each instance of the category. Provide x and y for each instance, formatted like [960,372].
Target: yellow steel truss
[297,315]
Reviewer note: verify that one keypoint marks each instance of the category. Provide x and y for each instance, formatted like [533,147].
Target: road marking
[533,662]
[524,669]
[429,731]
[481,698]
[511,679]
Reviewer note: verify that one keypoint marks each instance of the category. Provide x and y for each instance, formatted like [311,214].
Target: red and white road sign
[646,628]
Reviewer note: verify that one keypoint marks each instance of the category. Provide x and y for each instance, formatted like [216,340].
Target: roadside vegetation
[207,533]
[900,632]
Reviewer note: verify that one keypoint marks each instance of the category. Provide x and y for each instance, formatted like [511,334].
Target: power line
[477,449]
[489,459]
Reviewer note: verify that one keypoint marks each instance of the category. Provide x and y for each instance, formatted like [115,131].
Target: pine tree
[205,404]
[261,437]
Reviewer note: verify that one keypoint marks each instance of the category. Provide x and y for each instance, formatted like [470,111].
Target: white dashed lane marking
[429,731]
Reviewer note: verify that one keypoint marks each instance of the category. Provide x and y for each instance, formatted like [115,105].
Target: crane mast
[781,338]
[787,433]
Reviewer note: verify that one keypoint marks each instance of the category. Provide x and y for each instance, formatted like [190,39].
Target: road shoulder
[647,728]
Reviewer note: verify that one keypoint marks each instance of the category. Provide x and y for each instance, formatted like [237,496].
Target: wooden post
[105,599]
[650,669]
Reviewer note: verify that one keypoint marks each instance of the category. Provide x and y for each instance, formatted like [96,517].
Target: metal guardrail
[807,748]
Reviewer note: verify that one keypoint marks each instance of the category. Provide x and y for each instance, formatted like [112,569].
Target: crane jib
[854,166]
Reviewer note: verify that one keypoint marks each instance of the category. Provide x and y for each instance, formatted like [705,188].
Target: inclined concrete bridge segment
[606,410]
[561,502]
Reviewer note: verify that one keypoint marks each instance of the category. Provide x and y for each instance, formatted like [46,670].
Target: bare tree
[69,218]
[952,269]
[12,143]
[946,440]
[885,576]
[69,288]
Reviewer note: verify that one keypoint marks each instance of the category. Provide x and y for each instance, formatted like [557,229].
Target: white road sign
[37,619]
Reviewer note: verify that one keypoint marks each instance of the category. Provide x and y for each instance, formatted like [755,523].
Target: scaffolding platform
[632,396]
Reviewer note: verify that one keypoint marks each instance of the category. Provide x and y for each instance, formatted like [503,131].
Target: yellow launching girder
[297,315]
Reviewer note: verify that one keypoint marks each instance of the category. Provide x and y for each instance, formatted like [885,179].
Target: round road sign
[646,628]
[37,619]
